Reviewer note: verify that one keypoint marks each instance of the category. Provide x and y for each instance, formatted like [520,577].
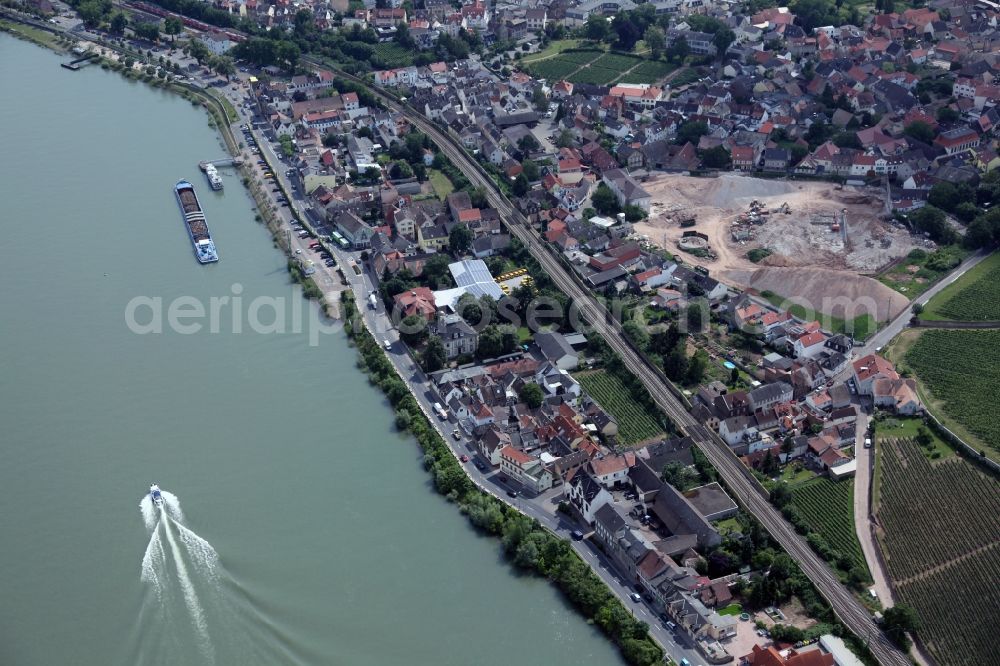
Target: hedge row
[526,543]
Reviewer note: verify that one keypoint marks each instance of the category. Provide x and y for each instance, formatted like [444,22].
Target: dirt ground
[838,293]
[802,239]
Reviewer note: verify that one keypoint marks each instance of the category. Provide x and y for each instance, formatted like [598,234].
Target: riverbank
[526,544]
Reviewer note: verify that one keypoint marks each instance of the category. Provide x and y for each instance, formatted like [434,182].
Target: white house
[525,469]
[809,345]
[870,368]
[218,43]
[612,471]
[735,428]
[587,495]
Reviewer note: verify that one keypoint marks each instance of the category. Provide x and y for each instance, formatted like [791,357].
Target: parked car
[511,493]
[464,458]
[577,535]
[458,436]
[481,466]
[635,597]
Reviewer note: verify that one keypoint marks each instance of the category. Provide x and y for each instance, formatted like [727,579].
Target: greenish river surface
[299,528]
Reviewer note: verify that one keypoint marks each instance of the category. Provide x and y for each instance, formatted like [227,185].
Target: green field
[973,297]
[907,428]
[828,507]
[635,423]
[595,66]
[941,541]
[961,372]
[391,54]
[553,70]
[442,186]
[859,328]
[616,62]
[553,49]
[597,76]
[648,72]
[918,271]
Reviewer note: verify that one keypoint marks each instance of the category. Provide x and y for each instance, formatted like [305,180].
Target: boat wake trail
[194,611]
[190,595]
[176,563]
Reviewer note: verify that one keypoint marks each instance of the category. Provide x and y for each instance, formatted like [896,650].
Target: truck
[372,301]
[440,411]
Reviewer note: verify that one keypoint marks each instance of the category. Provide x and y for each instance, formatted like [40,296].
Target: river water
[306,531]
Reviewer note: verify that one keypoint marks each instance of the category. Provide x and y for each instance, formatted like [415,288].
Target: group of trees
[669,347]
[628,27]
[265,52]
[606,203]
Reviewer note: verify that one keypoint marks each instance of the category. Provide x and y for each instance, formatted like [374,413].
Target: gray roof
[679,516]
[710,500]
[769,392]
[610,517]
[553,345]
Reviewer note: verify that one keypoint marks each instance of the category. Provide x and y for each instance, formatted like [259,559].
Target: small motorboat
[155,495]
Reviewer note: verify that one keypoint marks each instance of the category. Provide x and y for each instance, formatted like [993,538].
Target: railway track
[749,491]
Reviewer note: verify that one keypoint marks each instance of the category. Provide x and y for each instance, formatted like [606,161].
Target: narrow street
[862,512]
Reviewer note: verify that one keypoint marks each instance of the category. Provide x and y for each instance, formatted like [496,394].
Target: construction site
[739,226]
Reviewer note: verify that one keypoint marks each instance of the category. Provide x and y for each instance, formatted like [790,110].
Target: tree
[478,197]
[946,114]
[460,239]
[680,476]
[468,308]
[434,356]
[734,376]
[898,621]
[679,49]
[403,36]
[527,143]
[920,131]
[539,100]
[690,132]
[716,158]
[197,50]
[944,195]
[596,27]
[530,170]
[565,139]
[722,40]
[931,221]
[675,365]
[695,317]
[780,495]
[924,438]
[173,26]
[656,40]
[436,270]
[224,66]
[413,330]
[118,23]
[604,200]
[150,31]
[696,368]
[521,185]
[636,332]
[531,394]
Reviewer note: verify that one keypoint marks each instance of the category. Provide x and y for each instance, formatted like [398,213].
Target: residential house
[870,368]
[556,350]
[417,301]
[357,233]
[626,189]
[525,469]
[586,495]
[458,337]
